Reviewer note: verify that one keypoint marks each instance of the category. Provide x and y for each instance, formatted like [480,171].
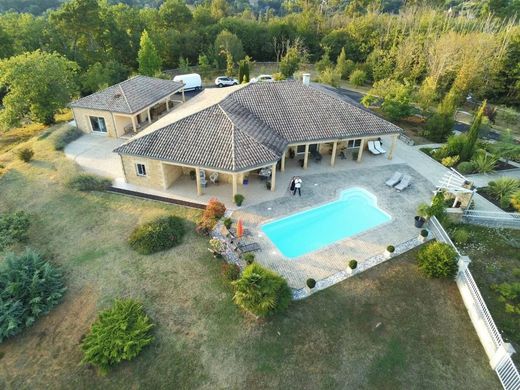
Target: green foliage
[483,162]
[230,64]
[352,264]
[119,333]
[38,85]
[25,154]
[243,70]
[102,75]
[324,63]
[436,209]
[88,182]
[29,288]
[13,228]
[239,199]
[438,260]
[461,236]
[64,138]
[227,222]
[509,293]
[358,77]
[472,136]
[184,65]
[393,96]
[515,200]
[424,233]
[160,234]
[439,125]
[450,161]
[453,147]
[290,63]
[204,65]
[148,57]
[261,292]
[311,283]
[229,45]
[330,76]
[466,167]
[230,271]
[217,246]
[390,248]
[344,66]
[503,188]
[249,257]
[506,147]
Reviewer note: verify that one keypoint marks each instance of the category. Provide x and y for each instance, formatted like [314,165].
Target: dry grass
[331,340]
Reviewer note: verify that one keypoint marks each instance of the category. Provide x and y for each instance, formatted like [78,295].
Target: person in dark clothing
[291,185]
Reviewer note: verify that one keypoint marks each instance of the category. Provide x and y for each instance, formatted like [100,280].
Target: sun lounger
[396,178]
[372,148]
[252,247]
[404,183]
[378,145]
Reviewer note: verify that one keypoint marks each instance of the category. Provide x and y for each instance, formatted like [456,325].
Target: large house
[127,107]
[253,129]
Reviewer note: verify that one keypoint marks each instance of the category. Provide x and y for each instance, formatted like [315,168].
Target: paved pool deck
[322,188]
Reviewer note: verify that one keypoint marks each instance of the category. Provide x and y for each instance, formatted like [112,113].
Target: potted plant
[352,265]
[390,249]
[216,247]
[249,258]
[239,199]
[227,222]
[423,235]
[268,184]
[192,175]
[311,283]
[423,211]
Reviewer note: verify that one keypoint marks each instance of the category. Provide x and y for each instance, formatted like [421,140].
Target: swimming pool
[354,212]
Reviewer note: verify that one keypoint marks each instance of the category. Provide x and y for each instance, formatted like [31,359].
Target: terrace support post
[167,105]
[183,98]
[149,117]
[134,124]
[361,148]
[199,186]
[282,163]
[273,177]
[306,157]
[235,185]
[333,157]
[392,148]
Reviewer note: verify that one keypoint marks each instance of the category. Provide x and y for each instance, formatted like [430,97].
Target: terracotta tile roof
[129,96]
[253,126]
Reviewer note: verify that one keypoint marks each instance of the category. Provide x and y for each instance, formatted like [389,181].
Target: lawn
[386,328]
[495,256]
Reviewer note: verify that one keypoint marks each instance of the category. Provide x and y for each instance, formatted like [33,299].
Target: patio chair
[404,183]
[372,148]
[396,178]
[214,178]
[203,181]
[378,145]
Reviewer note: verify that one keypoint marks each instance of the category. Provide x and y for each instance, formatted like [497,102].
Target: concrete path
[482,179]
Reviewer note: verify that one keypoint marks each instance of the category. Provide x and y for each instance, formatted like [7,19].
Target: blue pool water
[354,212]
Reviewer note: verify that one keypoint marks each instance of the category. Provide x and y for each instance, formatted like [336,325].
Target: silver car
[224,81]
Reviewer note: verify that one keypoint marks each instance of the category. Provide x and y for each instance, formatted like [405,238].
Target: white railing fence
[492,218]
[499,352]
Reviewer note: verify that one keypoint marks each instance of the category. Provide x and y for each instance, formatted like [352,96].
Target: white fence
[492,218]
[499,352]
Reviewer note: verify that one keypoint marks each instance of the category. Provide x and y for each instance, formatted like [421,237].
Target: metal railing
[508,373]
[492,218]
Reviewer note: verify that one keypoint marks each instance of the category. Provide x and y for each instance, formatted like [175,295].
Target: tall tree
[175,13]
[39,84]
[344,66]
[471,139]
[148,58]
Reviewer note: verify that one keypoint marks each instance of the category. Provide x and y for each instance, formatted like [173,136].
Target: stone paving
[323,188]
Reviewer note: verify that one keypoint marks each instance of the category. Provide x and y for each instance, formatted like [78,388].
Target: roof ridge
[233,155]
[124,96]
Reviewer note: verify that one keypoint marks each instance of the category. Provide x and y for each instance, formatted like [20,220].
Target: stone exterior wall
[81,116]
[154,172]
[171,173]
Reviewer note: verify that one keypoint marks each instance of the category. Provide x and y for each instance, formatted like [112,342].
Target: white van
[192,81]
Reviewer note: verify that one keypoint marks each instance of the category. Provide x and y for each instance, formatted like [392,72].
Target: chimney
[306,78]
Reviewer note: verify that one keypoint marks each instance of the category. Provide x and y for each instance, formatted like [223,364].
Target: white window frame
[354,141]
[138,170]
[90,117]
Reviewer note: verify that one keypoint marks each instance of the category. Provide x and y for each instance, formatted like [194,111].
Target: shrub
[87,182]
[13,228]
[390,248]
[503,188]
[25,154]
[66,137]
[450,161]
[352,264]
[227,222]
[358,77]
[119,333]
[509,294]
[466,167]
[216,245]
[515,200]
[461,236]
[239,199]
[249,257]
[437,260]
[215,209]
[160,234]
[29,288]
[484,163]
[330,76]
[230,272]
[311,283]
[424,233]
[261,292]
[205,225]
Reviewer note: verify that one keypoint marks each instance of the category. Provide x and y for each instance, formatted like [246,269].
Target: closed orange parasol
[240,228]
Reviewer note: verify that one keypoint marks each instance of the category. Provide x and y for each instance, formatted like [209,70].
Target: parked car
[192,81]
[263,78]
[224,81]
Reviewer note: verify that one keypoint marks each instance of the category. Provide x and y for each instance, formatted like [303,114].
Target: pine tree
[229,64]
[148,58]
[472,137]
[344,66]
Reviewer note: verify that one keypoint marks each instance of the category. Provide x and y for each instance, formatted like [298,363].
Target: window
[141,169]
[98,124]
[354,143]
[300,149]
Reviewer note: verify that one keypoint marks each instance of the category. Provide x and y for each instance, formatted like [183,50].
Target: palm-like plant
[515,200]
[483,162]
[503,188]
[261,291]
